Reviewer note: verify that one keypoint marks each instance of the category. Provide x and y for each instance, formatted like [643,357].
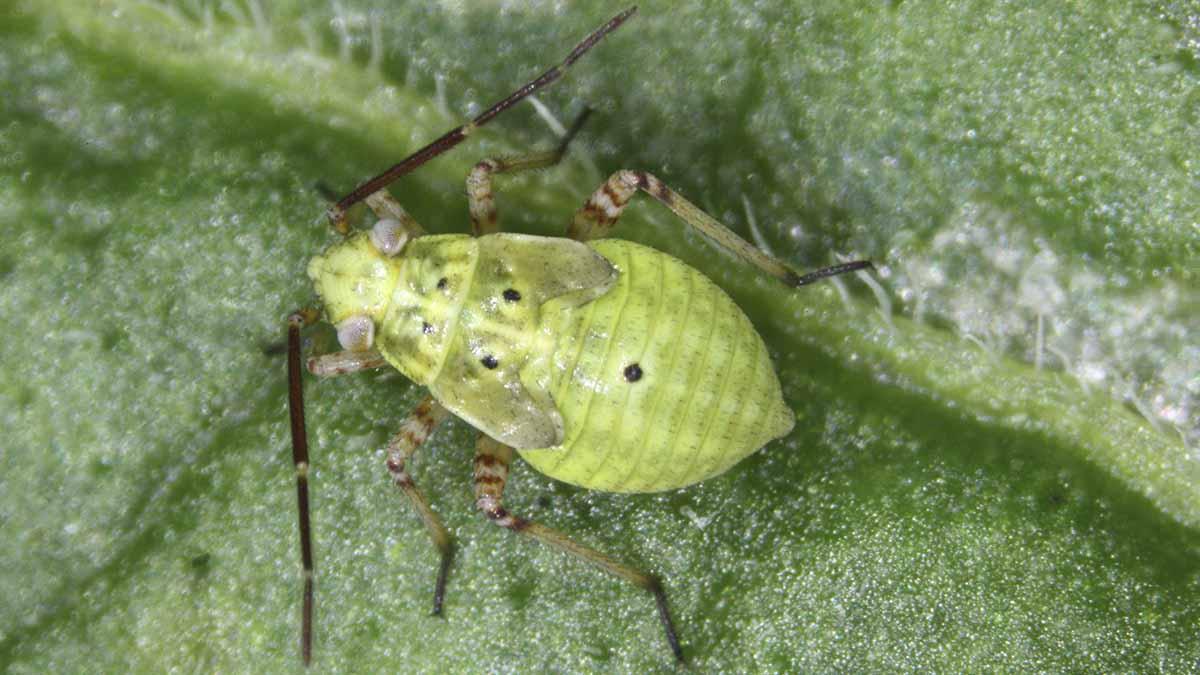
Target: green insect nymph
[546,374]
[602,362]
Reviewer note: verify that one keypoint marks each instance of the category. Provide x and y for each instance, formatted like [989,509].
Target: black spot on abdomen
[633,372]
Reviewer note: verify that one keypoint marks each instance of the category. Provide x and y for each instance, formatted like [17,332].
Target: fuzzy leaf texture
[995,464]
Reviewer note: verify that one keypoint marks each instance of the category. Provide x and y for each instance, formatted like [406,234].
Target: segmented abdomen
[661,382]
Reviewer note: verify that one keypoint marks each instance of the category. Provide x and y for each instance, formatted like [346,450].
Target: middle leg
[491,472]
[479,181]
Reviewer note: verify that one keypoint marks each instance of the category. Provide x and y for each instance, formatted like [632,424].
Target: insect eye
[388,236]
[356,333]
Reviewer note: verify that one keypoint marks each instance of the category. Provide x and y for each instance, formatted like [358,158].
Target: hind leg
[491,473]
[601,211]
[415,429]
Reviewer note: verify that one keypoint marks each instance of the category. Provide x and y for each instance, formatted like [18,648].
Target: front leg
[386,207]
[345,362]
[491,473]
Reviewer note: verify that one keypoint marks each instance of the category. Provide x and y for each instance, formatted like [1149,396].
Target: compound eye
[388,236]
[356,333]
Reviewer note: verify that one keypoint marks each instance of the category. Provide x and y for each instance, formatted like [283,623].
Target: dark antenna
[300,457]
[816,275]
[337,212]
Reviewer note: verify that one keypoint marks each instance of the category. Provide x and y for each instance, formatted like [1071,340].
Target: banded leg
[337,212]
[386,207]
[479,182]
[604,207]
[413,432]
[345,362]
[491,472]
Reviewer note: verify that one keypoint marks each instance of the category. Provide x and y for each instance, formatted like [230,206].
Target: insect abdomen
[661,382]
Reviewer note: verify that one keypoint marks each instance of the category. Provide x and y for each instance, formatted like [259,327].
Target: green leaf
[959,494]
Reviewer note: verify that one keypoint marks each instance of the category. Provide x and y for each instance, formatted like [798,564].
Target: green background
[957,495]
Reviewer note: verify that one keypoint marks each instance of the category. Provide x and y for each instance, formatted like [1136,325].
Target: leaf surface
[959,494]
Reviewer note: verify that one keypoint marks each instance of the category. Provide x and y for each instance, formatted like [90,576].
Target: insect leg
[386,206]
[491,472]
[479,181]
[604,207]
[337,213]
[345,362]
[413,432]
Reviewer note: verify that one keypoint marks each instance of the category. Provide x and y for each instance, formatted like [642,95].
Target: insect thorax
[463,319]
[417,332]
